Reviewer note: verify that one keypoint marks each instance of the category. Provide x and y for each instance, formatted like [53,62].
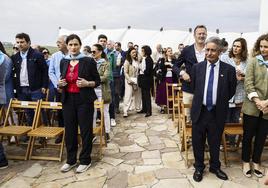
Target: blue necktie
[209,100]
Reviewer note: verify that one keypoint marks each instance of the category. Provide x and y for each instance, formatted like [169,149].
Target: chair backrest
[99,105]
[182,110]
[169,89]
[15,104]
[45,105]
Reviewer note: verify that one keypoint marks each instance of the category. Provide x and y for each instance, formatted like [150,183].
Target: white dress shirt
[200,56]
[215,82]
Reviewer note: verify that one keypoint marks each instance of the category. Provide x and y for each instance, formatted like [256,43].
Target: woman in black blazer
[79,77]
[145,80]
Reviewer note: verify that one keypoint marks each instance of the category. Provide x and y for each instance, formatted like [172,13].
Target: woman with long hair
[103,91]
[255,110]
[164,75]
[131,71]
[145,80]
[237,57]
[79,77]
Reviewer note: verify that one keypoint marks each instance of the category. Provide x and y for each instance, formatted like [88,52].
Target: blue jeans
[2,155]
[27,95]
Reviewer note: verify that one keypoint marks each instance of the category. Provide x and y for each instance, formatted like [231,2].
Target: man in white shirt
[189,56]
[54,75]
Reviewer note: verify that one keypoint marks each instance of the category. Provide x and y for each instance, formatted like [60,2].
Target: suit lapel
[80,68]
[220,80]
[193,54]
[203,77]
[64,70]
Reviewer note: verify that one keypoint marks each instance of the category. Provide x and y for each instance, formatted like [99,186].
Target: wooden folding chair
[175,103]
[2,115]
[100,129]
[232,129]
[186,134]
[169,97]
[17,130]
[44,131]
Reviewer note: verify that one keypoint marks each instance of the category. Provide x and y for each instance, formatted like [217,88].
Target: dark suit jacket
[187,58]
[146,80]
[226,90]
[88,70]
[36,67]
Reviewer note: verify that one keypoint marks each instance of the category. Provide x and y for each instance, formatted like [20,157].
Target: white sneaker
[82,168]
[67,167]
[113,123]
[246,169]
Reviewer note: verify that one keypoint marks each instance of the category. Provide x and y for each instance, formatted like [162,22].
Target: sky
[42,18]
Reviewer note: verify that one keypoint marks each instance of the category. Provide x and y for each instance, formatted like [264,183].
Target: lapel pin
[221,75]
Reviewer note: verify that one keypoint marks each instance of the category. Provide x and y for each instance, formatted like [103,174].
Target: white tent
[168,38]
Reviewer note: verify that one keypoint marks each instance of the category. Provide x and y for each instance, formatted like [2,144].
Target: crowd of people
[220,83]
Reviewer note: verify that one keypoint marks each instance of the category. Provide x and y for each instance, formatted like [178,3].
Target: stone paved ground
[143,153]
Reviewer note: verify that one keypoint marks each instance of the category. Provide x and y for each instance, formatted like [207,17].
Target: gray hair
[215,40]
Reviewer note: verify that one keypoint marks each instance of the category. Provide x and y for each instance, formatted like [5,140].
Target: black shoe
[141,112]
[58,139]
[24,138]
[198,176]
[258,173]
[219,173]
[162,111]
[108,137]
[148,114]
[3,164]
[117,111]
[42,140]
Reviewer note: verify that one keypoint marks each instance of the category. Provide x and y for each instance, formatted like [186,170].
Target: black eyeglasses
[15,48]
[45,52]
[92,51]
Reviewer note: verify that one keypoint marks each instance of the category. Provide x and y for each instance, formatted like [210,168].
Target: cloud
[41,18]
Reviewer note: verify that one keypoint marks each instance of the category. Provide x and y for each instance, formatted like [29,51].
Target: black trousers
[207,128]
[146,100]
[75,113]
[117,91]
[253,127]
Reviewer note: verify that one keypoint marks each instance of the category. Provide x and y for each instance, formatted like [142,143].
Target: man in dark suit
[190,56]
[213,85]
[31,72]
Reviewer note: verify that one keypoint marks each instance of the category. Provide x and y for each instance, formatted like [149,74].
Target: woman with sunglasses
[79,77]
[103,91]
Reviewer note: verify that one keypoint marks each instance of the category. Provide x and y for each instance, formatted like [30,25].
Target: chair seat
[96,130]
[234,131]
[46,132]
[15,130]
